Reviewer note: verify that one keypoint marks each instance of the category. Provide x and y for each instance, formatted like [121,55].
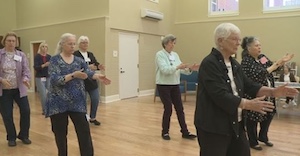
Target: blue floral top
[66,96]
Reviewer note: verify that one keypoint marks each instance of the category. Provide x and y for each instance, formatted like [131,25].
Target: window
[223,7]
[281,5]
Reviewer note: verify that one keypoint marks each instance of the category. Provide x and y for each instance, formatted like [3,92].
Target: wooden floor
[132,127]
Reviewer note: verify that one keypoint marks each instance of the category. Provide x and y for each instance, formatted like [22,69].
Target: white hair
[224,30]
[62,40]
[83,38]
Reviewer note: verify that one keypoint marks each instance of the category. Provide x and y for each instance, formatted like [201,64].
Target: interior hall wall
[278,32]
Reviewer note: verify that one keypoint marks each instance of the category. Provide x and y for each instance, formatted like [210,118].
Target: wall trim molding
[116,97]
[236,19]
[60,23]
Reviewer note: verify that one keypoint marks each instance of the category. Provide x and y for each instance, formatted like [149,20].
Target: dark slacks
[170,94]
[212,144]
[263,132]
[60,129]
[6,106]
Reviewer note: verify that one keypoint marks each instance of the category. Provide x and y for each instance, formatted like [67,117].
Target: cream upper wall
[7,16]
[126,15]
[31,13]
[278,32]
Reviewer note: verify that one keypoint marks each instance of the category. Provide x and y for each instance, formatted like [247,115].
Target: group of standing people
[62,82]
[230,97]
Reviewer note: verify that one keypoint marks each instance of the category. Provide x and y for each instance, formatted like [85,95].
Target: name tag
[43,79]
[18,58]
[87,60]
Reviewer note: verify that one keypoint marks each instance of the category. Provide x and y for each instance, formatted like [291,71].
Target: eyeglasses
[234,39]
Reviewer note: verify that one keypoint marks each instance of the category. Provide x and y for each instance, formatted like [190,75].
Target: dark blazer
[38,61]
[89,83]
[216,105]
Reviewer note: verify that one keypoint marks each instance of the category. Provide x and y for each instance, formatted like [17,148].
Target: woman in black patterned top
[259,68]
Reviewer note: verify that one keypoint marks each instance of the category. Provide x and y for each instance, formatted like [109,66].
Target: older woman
[66,96]
[41,63]
[14,78]
[219,105]
[259,68]
[91,86]
[288,76]
[168,69]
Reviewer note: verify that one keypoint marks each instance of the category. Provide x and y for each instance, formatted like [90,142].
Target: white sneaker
[285,105]
[293,103]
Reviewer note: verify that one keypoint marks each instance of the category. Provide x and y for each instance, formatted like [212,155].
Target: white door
[128,65]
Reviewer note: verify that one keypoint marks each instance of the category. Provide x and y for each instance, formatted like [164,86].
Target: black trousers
[263,132]
[170,95]
[6,106]
[60,123]
[212,144]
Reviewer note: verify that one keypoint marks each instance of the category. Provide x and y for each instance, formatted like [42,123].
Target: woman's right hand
[80,74]
[181,66]
[259,105]
[6,83]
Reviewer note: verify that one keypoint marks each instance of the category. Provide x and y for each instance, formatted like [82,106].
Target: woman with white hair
[41,63]
[66,96]
[168,70]
[219,104]
[91,86]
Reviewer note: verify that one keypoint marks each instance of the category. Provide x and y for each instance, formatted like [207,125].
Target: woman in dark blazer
[91,86]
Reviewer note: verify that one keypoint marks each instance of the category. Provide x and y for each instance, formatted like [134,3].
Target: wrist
[243,104]
[72,76]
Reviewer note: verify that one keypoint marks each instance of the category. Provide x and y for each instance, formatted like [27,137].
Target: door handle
[122,71]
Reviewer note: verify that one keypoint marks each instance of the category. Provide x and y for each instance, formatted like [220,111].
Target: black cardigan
[38,61]
[216,105]
[90,84]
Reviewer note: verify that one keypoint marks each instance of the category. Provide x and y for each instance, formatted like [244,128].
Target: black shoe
[25,141]
[166,136]
[189,136]
[12,143]
[268,143]
[257,147]
[95,122]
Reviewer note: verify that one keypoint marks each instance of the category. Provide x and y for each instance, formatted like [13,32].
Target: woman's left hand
[287,57]
[101,67]
[194,67]
[102,78]
[285,91]
[26,83]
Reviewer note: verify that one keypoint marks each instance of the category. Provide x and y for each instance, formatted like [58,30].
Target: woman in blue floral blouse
[66,96]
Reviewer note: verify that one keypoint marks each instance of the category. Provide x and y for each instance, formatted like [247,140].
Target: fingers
[260,98]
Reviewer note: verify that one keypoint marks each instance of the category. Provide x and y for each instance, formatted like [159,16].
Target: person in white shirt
[287,76]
